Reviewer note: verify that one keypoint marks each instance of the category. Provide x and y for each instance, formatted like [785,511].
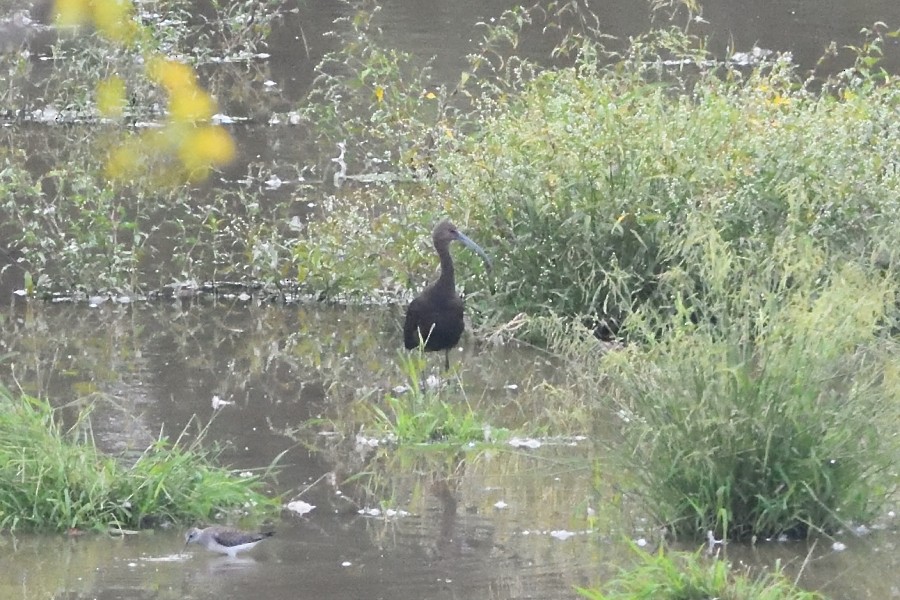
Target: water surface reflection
[470,522]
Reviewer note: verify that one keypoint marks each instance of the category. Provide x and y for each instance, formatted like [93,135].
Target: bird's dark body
[435,319]
[435,316]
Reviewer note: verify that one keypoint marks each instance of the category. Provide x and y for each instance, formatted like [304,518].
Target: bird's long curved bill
[472,245]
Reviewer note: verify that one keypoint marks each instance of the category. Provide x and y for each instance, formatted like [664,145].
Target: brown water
[503,523]
[475,524]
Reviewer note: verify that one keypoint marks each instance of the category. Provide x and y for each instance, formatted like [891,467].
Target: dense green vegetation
[55,478]
[734,226]
[774,420]
[592,184]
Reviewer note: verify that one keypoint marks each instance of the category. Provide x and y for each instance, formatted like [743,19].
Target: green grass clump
[55,479]
[682,576]
[775,414]
[422,415]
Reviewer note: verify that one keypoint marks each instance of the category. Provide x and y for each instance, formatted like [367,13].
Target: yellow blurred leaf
[171,75]
[379,94]
[124,161]
[111,97]
[69,13]
[190,105]
[430,95]
[205,147]
[113,18]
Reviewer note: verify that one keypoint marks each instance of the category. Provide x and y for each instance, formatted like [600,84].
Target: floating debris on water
[559,534]
[525,443]
[366,442]
[218,403]
[388,513]
[299,507]
[534,443]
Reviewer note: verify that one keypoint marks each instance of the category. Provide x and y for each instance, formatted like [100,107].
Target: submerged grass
[683,576]
[52,478]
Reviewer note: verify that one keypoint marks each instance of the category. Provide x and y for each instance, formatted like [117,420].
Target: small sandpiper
[225,540]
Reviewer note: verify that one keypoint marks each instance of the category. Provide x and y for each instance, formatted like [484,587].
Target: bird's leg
[447,360]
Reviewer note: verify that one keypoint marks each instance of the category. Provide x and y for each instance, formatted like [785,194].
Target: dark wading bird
[435,316]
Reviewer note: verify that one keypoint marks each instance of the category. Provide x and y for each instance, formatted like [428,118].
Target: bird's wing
[232,537]
[411,325]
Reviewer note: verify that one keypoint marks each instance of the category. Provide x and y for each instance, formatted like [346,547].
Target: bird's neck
[446,281]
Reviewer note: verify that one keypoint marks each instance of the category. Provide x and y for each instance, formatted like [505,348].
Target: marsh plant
[380,99]
[592,173]
[773,413]
[425,411]
[386,104]
[55,478]
[669,575]
[83,235]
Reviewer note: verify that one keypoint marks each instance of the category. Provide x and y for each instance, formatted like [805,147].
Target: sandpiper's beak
[472,245]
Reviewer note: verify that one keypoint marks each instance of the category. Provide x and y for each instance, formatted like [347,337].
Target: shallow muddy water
[503,522]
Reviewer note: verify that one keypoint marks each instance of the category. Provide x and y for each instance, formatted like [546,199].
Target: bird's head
[191,536]
[446,232]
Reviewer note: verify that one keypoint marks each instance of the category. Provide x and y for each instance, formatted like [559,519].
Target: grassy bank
[55,478]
